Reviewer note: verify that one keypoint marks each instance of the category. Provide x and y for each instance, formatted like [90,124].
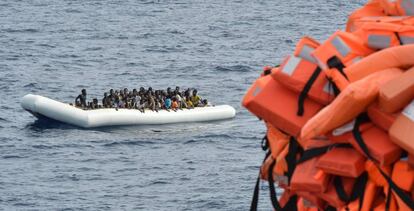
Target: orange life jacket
[348,104]
[310,200]
[277,105]
[303,205]
[395,57]
[400,20]
[370,194]
[304,49]
[331,195]
[341,50]
[403,176]
[372,8]
[402,131]
[397,93]
[380,118]
[342,162]
[385,35]
[390,7]
[379,145]
[300,73]
[307,177]
[304,77]
[375,175]
[276,139]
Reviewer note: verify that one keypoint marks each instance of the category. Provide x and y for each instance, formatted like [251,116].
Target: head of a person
[126,90]
[83,91]
[95,101]
[195,92]
[205,102]
[111,91]
[177,88]
[105,94]
[150,89]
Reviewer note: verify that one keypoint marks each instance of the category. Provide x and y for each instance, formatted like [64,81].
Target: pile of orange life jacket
[340,116]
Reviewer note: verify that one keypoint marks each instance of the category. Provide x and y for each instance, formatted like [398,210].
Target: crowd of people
[143,99]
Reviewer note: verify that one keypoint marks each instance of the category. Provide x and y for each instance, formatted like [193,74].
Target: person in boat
[167,103]
[150,91]
[106,101]
[177,89]
[174,104]
[195,98]
[189,103]
[151,102]
[169,92]
[205,103]
[141,106]
[80,100]
[94,104]
[135,100]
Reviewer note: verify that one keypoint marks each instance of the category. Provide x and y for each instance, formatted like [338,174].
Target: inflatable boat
[45,108]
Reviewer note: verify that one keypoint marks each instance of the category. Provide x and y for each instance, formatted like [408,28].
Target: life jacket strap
[255,198]
[358,137]
[317,151]
[292,202]
[304,93]
[334,62]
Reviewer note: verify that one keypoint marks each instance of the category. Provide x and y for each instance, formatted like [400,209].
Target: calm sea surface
[57,47]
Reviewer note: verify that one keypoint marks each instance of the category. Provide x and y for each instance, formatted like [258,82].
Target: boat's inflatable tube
[42,106]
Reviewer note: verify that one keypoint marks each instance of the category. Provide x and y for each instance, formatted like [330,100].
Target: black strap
[267,72]
[358,190]
[330,208]
[317,151]
[388,200]
[335,62]
[398,38]
[265,143]
[304,93]
[255,198]
[332,85]
[400,193]
[273,195]
[357,135]
[291,157]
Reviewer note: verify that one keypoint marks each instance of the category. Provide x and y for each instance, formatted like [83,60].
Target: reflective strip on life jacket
[407,39]
[406,7]
[306,53]
[290,66]
[304,48]
[379,41]
[341,46]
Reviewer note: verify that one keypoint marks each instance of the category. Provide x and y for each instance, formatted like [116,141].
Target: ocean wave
[233,68]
